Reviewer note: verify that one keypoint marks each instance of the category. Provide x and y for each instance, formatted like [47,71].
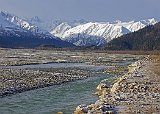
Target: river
[49,100]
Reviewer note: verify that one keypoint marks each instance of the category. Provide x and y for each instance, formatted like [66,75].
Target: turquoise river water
[49,100]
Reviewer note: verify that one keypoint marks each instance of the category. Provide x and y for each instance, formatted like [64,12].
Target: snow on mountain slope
[60,29]
[135,26]
[96,29]
[4,23]
[16,32]
[16,25]
[107,30]
[55,27]
[84,40]
[11,21]
[78,32]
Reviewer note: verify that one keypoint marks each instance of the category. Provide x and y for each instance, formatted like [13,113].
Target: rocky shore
[19,80]
[137,92]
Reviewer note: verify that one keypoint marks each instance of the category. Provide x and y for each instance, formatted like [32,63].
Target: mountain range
[16,32]
[58,32]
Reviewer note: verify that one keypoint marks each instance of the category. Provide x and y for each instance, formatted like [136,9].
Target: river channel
[64,97]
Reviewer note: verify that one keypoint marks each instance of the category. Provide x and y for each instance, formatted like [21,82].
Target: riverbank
[137,92]
[20,80]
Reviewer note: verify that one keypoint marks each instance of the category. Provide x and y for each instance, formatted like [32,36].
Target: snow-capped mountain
[78,32]
[57,25]
[105,30]
[16,32]
[84,40]
[61,29]
[9,20]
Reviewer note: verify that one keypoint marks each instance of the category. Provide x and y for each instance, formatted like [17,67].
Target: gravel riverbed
[19,80]
[137,92]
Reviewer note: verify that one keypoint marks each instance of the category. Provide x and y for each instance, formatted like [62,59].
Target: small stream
[58,65]
[49,100]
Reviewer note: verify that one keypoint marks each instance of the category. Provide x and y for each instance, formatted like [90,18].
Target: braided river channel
[64,97]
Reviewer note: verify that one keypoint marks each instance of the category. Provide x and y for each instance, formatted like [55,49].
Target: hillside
[27,39]
[147,38]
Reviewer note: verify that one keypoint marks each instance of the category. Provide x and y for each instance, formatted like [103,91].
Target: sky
[91,10]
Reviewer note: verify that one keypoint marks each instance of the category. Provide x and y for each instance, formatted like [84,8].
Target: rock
[85,110]
[107,109]
[81,109]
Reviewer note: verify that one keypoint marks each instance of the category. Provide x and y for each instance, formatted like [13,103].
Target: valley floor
[26,69]
[137,92]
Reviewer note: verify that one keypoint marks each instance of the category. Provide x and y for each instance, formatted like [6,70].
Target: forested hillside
[147,38]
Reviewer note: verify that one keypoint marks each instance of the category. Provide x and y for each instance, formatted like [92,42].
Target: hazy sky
[92,10]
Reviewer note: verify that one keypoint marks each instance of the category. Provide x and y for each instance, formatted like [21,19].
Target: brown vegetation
[156,67]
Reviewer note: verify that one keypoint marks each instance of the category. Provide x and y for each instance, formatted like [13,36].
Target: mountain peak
[36,19]
[6,14]
[118,21]
[152,21]
[8,20]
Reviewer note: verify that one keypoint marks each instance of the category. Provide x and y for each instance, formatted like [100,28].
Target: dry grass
[156,67]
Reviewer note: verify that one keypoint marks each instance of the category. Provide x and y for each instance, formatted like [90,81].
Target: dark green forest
[147,38]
